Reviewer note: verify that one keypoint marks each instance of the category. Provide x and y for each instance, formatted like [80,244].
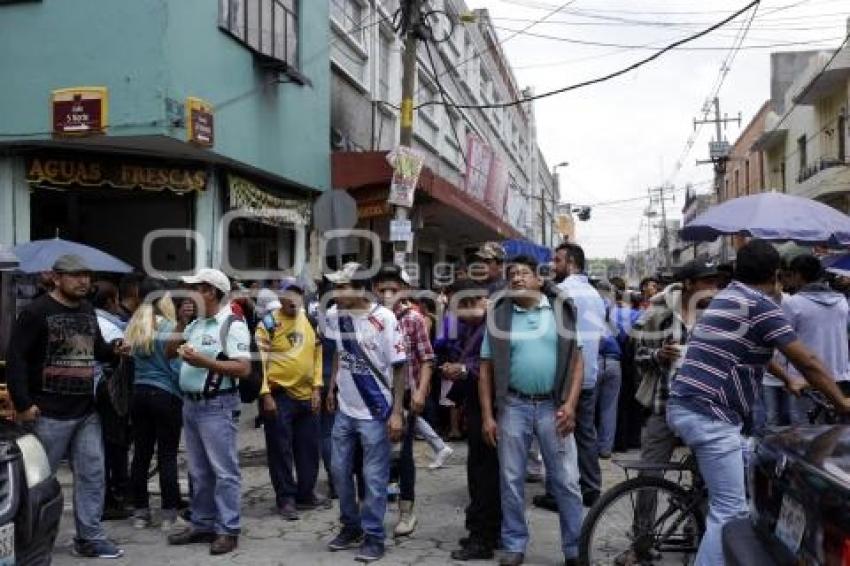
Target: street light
[557,189]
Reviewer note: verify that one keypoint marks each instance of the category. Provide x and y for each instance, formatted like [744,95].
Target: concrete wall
[746,172]
[145,52]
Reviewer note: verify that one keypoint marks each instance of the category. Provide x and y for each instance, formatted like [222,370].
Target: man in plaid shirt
[392,285]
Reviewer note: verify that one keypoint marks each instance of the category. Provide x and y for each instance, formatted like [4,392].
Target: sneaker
[141,522]
[347,538]
[224,544]
[371,550]
[511,559]
[96,549]
[441,457]
[406,519]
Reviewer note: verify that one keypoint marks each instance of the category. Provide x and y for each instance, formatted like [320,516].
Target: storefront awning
[353,170]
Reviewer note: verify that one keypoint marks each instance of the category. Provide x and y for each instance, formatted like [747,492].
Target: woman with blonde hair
[157,409]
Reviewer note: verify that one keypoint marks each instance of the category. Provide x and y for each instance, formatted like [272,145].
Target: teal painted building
[263,67]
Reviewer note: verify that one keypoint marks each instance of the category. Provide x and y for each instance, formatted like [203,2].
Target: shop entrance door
[117,221]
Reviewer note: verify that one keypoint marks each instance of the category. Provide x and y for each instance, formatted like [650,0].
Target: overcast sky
[626,135]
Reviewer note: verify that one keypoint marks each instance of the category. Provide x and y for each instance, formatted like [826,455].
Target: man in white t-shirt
[369,376]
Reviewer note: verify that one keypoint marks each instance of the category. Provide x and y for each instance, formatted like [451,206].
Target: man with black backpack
[290,397]
[215,349]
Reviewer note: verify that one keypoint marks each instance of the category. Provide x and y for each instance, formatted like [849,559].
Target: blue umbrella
[772,216]
[837,263]
[40,255]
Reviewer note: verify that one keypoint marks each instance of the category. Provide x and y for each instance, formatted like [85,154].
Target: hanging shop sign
[407,165]
[201,128]
[265,207]
[372,209]
[117,174]
[80,110]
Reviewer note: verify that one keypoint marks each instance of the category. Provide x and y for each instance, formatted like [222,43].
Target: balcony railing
[822,164]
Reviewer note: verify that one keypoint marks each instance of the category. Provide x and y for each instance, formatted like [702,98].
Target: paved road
[268,540]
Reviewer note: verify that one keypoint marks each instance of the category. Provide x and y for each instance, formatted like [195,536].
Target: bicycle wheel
[622,529]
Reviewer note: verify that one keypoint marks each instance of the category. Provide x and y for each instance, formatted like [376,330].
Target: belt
[526,397]
[207,396]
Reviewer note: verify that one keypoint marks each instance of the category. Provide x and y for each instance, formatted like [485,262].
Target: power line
[495,44]
[706,48]
[615,74]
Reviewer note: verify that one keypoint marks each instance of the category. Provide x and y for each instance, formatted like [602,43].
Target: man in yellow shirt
[290,397]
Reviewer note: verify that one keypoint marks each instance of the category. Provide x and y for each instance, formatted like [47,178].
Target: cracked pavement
[269,540]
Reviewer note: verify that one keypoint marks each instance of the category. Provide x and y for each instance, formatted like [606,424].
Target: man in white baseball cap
[211,277]
[215,349]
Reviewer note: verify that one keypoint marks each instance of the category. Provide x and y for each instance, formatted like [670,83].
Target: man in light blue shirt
[590,308]
[215,350]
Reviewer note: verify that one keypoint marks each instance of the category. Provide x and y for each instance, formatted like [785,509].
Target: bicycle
[616,532]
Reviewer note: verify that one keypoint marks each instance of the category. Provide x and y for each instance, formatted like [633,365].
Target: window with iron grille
[267,27]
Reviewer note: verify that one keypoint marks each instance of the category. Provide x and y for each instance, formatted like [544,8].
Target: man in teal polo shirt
[215,349]
[531,366]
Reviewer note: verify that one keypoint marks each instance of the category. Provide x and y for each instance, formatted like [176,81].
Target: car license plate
[791,524]
[7,545]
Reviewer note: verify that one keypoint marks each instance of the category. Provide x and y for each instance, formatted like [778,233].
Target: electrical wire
[499,43]
[704,48]
[614,74]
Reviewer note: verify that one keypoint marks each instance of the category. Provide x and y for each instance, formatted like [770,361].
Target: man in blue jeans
[51,377]
[532,369]
[369,378]
[215,349]
[715,389]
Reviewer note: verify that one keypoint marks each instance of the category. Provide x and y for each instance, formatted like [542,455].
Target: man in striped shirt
[714,391]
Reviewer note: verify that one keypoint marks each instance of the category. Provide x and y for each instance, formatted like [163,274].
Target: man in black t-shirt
[51,367]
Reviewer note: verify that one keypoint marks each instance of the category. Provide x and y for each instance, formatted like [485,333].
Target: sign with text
[118,174]
[201,128]
[407,165]
[479,159]
[80,110]
[400,230]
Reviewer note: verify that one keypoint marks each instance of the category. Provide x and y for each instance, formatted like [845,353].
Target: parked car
[799,485]
[30,499]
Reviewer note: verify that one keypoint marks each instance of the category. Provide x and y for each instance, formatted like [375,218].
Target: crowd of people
[542,370]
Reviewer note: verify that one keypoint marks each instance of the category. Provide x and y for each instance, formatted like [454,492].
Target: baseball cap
[291,284]
[210,276]
[267,301]
[70,263]
[344,275]
[491,250]
[698,269]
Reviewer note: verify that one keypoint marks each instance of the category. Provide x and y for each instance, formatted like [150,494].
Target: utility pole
[412,13]
[658,196]
[718,150]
